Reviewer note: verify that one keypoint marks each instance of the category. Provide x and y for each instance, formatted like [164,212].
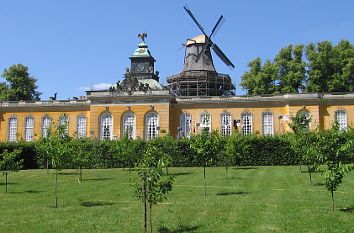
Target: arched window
[106,128]
[268,123]
[64,121]
[29,128]
[225,123]
[151,125]
[46,121]
[81,126]
[185,125]
[129,125]
[246,123]
[205,121]
[341,118]
[12,129]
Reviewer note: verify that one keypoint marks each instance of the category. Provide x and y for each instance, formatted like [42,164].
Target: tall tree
[19,84]
[260,79]
[291,69]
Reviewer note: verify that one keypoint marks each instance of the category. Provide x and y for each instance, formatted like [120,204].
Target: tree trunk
[150,206]
[204,183]
[309,170]
[47,166]
[332,201]
[167,170]
[130,176]
[6,181]
[144,200]
[80,172]
[56,184]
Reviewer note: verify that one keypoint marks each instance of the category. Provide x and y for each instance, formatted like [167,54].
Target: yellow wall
[322,113]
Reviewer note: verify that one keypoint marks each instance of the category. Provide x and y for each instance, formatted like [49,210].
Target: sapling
[10,163]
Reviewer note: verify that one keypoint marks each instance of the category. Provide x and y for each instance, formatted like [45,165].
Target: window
[46,121]
[151,124]
[185,124]
[129,125]
[81,126]
[246,123]
[267,123]
[106,126]
[205,121]
[341,118]
[225,118]
[12,129]
[64,121]
[29,129]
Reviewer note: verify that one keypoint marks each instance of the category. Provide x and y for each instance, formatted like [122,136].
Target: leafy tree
[290,69]
[304,144]
[206,147]
[300,122]
[19,85]
[56,145]
[335,149]
[331,68]
[81,154]
[260,79]
[10,163]
[152,190]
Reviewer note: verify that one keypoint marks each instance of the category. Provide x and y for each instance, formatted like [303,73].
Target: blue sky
[70,45]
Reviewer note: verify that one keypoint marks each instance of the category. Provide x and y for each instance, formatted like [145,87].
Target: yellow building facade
[140,107]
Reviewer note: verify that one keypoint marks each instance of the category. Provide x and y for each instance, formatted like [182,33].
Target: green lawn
[255,199]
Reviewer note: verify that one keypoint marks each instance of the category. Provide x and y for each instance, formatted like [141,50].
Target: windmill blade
[221,55]
[217,25]
[194,19]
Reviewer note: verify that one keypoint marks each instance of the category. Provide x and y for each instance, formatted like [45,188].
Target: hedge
[251,150]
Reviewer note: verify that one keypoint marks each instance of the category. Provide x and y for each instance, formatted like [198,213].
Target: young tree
[81,154]
[19,85]
[206,147]
[152,190]
[304,144]
[10,163]
[336,147]
[56,145]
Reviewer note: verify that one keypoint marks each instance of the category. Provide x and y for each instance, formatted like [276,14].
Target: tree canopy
[19,85]
[321,67]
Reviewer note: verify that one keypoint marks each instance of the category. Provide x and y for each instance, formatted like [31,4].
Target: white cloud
[97,86]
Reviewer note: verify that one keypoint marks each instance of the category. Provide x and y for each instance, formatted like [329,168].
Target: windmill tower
[199,77]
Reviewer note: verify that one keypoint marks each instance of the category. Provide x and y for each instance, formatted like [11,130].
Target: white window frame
[29,129]
[268,123]
[247,126]
[46,122]
[225,124]
[106,123]
[185,124]
[342,119]
[151,125]
[205,121]
[129,125]
[13,124]
[81,126]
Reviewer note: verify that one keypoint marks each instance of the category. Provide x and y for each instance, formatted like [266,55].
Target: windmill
[198,55]
[199,77]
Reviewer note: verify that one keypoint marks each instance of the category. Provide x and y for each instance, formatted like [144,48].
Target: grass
[256,199]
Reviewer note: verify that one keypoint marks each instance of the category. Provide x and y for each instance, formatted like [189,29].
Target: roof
[201,39]
[142,51]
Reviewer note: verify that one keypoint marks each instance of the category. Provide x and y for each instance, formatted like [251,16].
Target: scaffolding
[201,83]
